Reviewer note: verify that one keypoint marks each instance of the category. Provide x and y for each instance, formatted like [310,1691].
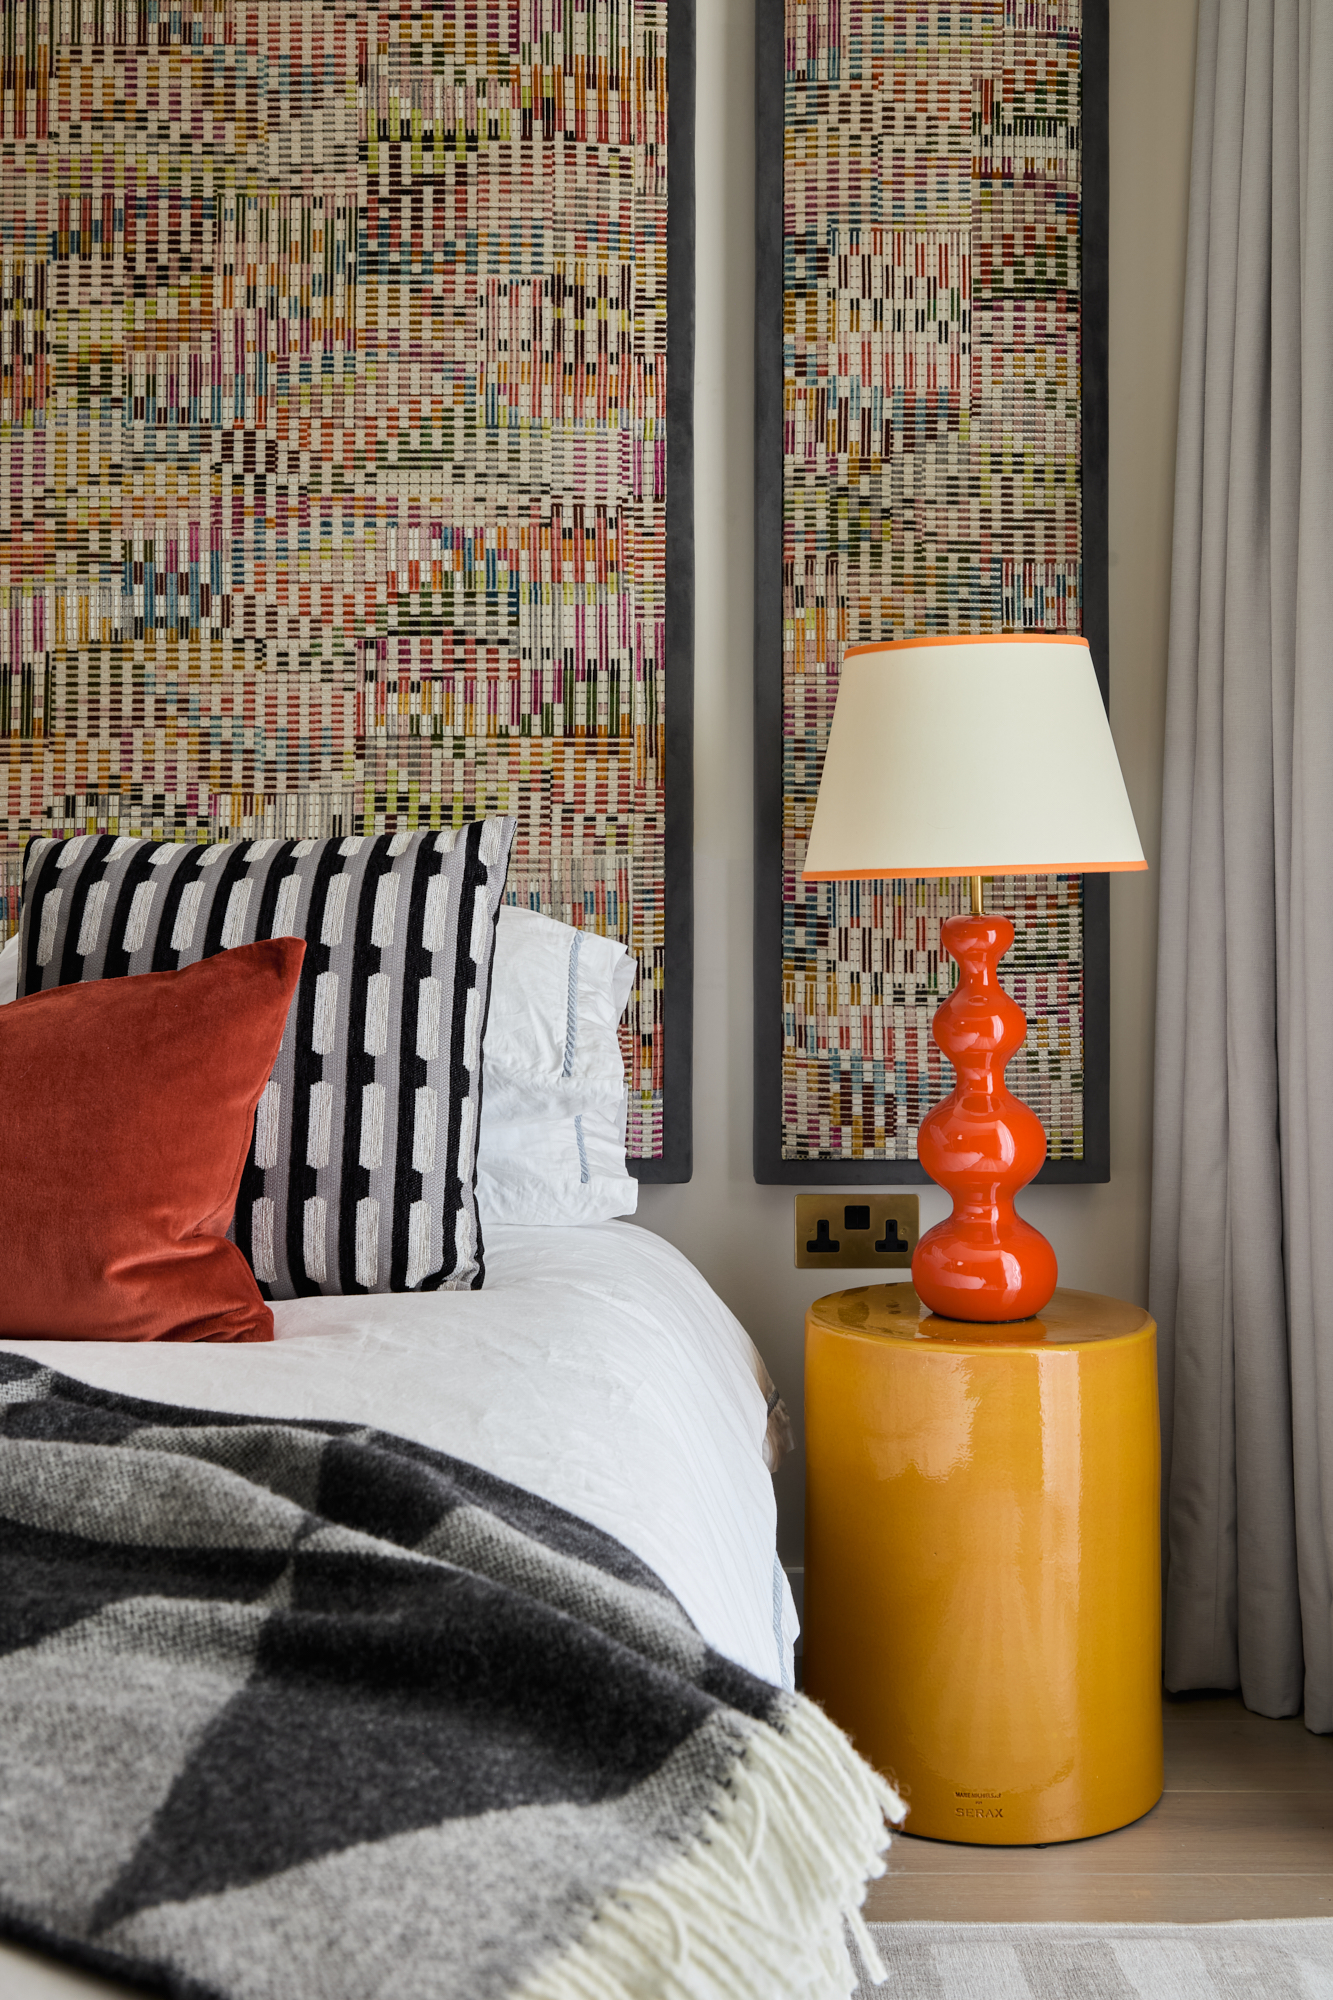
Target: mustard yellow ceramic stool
[982,1600]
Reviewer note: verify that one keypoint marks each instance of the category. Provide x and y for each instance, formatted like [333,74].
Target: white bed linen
[596,1367]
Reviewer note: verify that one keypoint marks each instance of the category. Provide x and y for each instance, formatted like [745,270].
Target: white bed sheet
[596,1367]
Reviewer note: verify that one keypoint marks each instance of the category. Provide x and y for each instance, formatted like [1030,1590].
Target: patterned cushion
[363,1162]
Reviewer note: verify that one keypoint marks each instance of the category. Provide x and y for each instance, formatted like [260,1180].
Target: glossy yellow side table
[982,1594]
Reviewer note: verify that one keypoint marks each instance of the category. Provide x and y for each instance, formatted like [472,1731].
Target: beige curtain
[1242,1237]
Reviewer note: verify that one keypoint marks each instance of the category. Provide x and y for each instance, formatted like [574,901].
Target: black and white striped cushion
[363,1164]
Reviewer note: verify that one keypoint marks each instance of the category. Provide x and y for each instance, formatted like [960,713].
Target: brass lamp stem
[976,896]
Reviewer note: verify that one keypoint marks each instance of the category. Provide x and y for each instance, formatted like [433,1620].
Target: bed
[596,1368]
[389,1597]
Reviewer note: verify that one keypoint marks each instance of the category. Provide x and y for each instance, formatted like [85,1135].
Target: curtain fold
[1241,1278]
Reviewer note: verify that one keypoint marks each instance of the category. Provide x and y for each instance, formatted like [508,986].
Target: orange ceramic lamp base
[982,1145]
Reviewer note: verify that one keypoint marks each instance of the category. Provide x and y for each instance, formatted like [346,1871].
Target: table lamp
[974,757]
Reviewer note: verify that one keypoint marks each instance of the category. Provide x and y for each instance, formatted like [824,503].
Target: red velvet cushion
[126,1108]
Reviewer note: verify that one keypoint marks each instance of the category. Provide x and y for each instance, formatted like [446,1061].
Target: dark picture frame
[676,1160]
[770,1168]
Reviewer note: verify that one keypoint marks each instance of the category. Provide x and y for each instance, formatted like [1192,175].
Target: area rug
[1261,1961]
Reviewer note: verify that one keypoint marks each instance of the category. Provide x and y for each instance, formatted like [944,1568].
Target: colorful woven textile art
[332,441]
[931,484]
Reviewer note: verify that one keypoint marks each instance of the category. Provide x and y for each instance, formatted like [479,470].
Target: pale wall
[740,1235]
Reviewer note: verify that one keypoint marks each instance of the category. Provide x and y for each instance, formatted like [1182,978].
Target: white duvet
[596,1367]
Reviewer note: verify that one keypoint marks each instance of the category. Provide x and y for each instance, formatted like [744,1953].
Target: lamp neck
[976,896]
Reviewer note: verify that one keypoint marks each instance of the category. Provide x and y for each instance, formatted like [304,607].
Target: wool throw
[362,1168]
[291,1708]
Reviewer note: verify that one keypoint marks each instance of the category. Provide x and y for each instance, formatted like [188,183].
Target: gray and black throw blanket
[298,1709]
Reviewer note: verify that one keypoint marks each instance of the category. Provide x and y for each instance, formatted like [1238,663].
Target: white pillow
[553,1099]
[553,1105]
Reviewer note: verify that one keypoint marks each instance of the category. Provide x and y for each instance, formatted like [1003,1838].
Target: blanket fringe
[755,1908]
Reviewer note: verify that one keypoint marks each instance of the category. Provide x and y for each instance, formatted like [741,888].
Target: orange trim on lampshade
[971,639]
[962,874]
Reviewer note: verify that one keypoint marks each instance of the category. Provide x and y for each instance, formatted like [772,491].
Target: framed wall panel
[346,359]
[931,442]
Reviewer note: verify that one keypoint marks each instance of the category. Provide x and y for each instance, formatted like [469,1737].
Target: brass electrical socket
[848,1232]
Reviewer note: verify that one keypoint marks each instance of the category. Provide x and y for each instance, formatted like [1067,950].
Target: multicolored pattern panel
[931,484]
[332,435]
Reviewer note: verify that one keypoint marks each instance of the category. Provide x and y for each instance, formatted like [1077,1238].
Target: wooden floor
[1244,1829]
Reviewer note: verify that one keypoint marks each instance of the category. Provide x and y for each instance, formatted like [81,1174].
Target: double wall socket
[855,1233]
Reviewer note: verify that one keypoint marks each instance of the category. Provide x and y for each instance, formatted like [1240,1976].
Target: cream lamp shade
[970,757]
